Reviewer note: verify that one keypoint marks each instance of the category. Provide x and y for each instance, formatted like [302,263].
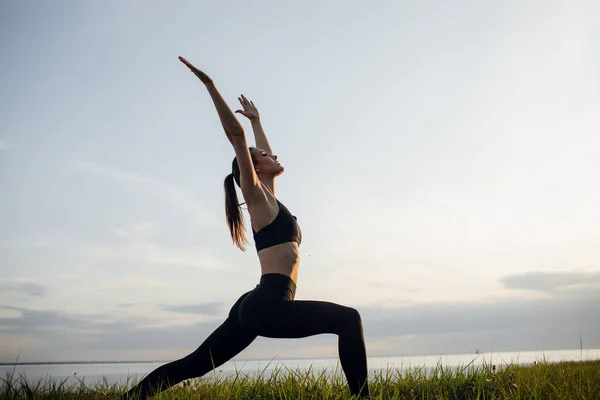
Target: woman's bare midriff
[282,258]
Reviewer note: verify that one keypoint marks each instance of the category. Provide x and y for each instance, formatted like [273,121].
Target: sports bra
[283,229]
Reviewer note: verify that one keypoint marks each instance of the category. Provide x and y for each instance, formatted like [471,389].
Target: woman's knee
[353,317]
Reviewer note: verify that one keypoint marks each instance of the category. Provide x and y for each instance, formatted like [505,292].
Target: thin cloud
[135,244]
[30,288]
[132,244]
[139,230]
[135,281]
[465,317]
[575,282]
[176,195]
[147,252]
[33,320]
[210,309]
[416,329]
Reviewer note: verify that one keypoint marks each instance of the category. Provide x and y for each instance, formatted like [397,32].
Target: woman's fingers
[248,102]
[186,62]
[244,102]
[244,113]
[191,66]
[203,77]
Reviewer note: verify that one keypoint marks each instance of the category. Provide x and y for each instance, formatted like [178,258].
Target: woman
[270,309]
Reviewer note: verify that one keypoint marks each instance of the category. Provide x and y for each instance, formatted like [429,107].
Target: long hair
[233,209]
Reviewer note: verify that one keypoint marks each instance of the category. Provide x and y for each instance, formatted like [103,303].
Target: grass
[542,380]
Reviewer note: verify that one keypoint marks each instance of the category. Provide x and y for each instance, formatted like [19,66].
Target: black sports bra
[283,229]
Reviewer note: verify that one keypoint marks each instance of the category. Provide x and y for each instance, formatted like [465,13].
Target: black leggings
[270,311]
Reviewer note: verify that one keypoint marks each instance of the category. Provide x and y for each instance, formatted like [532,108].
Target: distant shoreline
[4,364]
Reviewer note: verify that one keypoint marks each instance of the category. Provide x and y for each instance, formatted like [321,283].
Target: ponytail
[233,209]
[233,212]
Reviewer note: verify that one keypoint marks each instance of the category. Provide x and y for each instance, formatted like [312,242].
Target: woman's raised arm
[230,123]
[249,181]
[251,112]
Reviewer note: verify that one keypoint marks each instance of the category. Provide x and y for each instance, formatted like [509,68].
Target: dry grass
[543,380]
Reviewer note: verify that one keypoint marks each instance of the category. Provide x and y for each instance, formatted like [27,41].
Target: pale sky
[442,159]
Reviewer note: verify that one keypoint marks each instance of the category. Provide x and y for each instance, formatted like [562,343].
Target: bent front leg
[298,319]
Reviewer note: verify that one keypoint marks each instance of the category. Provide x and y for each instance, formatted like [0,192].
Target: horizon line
[476,353]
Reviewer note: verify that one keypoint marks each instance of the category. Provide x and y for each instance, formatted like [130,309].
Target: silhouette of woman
[269,309]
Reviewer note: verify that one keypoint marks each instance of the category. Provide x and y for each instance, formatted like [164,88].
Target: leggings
[270,311]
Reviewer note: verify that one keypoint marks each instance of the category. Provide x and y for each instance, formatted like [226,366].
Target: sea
[95,373]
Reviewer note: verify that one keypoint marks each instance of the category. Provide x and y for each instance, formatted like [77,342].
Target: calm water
[120,372]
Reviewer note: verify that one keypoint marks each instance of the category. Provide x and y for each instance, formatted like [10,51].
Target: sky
[441,158]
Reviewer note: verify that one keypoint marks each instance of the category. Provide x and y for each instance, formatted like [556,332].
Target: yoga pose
[268,310]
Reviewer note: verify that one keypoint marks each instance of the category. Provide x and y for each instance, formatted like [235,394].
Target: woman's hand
[250,111]
[201,75]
